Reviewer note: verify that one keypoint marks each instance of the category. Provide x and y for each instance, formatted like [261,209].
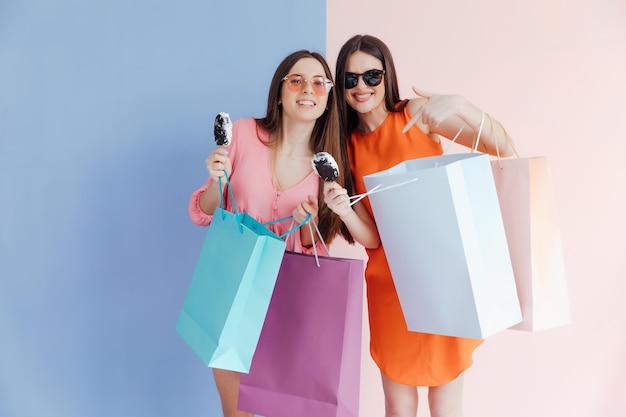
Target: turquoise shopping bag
[230,290]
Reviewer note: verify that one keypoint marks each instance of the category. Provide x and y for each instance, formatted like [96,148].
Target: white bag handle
[319,235]
[477,140]
[377,189]
[359,197]
[480,129]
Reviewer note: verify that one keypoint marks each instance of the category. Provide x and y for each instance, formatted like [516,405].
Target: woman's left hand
[306,207]
[434,109]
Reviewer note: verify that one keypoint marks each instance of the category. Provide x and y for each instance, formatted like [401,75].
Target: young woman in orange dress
[379,131]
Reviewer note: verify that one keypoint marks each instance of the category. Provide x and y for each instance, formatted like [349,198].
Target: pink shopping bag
[530,219]
[307,362]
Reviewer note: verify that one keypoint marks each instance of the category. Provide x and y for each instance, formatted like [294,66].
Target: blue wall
[106,117]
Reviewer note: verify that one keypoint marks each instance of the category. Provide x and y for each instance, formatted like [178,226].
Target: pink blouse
[253,188]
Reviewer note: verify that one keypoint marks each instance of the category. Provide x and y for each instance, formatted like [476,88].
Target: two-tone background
[106,112]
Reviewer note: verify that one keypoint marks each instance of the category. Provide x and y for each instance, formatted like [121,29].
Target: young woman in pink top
[269,167]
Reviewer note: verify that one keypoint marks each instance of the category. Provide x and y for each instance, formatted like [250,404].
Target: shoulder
[247,130]
[414,104]
[245,126]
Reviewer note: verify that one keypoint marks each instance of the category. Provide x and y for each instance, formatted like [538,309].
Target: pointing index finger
[414,119]
[421,93]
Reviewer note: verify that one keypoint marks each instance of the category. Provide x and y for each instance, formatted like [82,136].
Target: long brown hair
[325,137]
[347,115]
[376,48]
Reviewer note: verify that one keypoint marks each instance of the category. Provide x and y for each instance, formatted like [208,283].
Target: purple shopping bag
[307,362]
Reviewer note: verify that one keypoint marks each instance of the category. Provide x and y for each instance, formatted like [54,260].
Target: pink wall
[553,73]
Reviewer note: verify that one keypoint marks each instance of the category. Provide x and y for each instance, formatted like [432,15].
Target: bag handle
[377,189]
[359,197]
[319,235]
[480,131]
[309,220]
[508,139]
[232,199]
[292,228]
[230,189]
[477,140]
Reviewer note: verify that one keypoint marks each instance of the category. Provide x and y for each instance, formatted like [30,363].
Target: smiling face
[365,100]
[303,105]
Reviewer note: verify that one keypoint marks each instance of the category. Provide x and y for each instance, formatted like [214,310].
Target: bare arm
[446,114]
[356,217]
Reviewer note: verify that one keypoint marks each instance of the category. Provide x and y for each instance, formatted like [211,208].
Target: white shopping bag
[445,243]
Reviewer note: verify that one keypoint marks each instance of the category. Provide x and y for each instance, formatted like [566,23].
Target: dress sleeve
[196,214]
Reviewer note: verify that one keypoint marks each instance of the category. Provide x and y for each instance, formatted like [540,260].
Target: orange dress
[410,358]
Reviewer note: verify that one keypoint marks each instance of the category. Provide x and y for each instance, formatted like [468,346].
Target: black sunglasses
[372,78]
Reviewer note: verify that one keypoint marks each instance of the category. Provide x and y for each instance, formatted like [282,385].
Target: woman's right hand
[218,162]
[337,199]
[355,217]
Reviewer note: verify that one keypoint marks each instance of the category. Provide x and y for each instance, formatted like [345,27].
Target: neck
[371,120]
[296,139]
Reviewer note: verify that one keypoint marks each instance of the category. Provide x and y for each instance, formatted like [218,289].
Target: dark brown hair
[325,136]
[376,48]
[347,115]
